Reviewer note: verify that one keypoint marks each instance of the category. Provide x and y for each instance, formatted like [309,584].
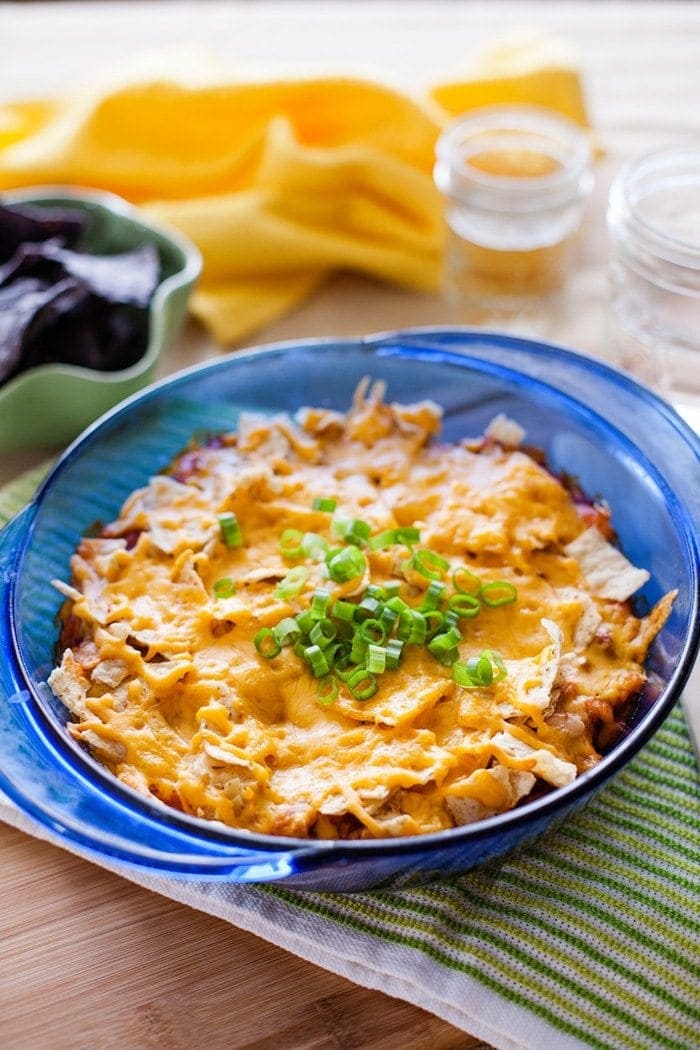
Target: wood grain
[89,961]
[92,962]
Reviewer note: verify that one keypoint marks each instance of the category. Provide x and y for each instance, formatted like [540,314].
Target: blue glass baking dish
[619,439]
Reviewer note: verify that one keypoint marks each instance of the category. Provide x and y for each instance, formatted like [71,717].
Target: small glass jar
[515,181]
[654,228]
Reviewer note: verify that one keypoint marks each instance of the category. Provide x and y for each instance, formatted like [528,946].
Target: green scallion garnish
[290,543]
[326,687]
[346,564]
[429,564]
[230,530]
[324,503]
[376,659]
[362,684]
[465,605]
[224,588]
[292,583]
[316,660]
[266,643]
[497,592]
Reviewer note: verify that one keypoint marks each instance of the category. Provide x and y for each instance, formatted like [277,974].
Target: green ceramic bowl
[50,404]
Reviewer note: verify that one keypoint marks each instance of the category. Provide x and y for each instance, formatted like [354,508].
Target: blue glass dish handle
[37,775]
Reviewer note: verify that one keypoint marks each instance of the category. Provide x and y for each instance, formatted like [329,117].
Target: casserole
[641,458]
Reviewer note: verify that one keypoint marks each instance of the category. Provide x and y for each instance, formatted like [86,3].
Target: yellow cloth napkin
[278,183]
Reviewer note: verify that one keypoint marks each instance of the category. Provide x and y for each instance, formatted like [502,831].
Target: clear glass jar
[654,228]
[515,181]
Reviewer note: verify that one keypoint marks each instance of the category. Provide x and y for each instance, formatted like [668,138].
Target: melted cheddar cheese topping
[165,686]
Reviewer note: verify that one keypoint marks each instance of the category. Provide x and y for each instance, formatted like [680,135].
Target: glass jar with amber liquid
[515,181]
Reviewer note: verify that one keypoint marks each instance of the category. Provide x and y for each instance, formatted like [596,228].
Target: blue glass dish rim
[400,342]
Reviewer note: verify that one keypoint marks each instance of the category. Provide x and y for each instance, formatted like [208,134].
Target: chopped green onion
[266,643]
[358,650]
[339,525]
[224,588]
[372,631]
[449,657]
[346,564]
[292,583]
[435,621]
[343,610]
[324,503]
[498,592]
[444,645]
[326,688]
[376,659]
[388,618]
[230,530]
[465,582]
[392,588]
[394,652]
[433,596]
[497,660]
[412,627]
[367,608]
[305,621]
[322,633]
[477,672]
[316,660]
[357,532]
[300,649]
[383,540]
[319,604]
[451,618]
[397,604]
[408,535]
[373,590]
[287,631]
[362,684]
[290,543]
[429,564]
[314,546]
[465,605]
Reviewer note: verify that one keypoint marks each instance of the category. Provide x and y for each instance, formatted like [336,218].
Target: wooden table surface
[89,960]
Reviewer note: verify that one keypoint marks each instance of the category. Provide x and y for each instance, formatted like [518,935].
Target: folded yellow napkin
[278,183]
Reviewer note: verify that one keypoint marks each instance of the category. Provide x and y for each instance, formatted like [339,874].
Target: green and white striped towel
[589,939]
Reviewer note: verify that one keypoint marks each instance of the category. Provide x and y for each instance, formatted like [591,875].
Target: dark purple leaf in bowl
[129,277]
[28,306]
[20,224]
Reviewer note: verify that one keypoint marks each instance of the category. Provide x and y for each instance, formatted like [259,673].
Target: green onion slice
[465,605]
[316,659]
[498,592]
[292,583]
[357,532]
[266,643]
[376,659]
[343,611]
[230,530]
[372,631]
[224,588]
[324,503]
[290,543]
[394,652]
[465,582]
[319,604]
[287,631]
[429,564]
[362,684]
[412,627]
[322,633]
[383,540]
[314,546]
[477,672]
[326,688]
[346,564]
[433,596]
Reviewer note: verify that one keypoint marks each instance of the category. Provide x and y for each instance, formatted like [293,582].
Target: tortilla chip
[608,572]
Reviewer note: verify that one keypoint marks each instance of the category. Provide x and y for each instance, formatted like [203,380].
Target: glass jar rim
[623,207]
[571,179]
